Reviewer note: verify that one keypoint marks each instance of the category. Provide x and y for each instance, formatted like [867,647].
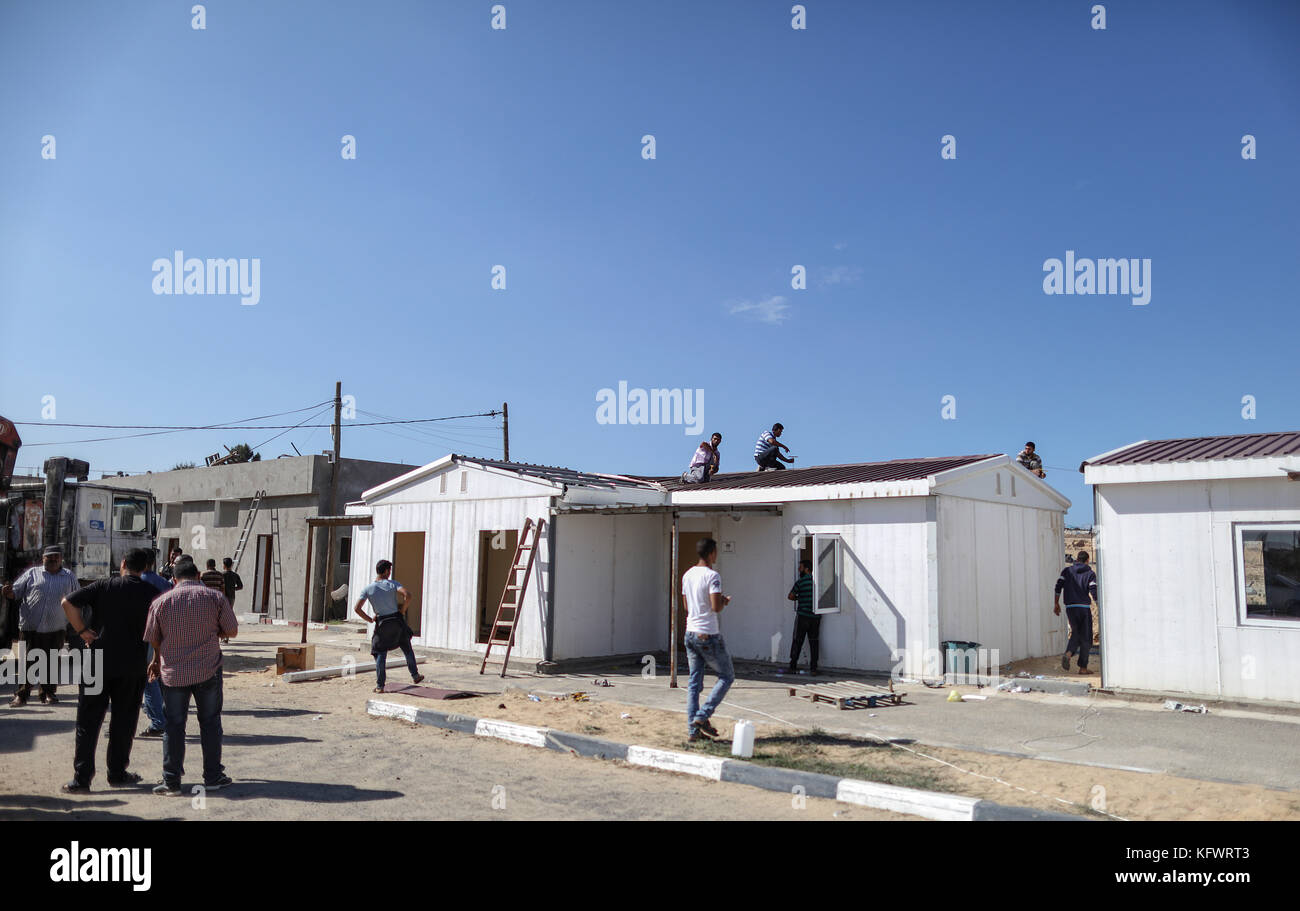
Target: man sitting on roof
[767,452]
[704,464]
[1031,460]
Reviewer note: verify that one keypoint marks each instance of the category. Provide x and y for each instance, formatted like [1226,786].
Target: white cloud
[840,245]
[773,309]
[839,275]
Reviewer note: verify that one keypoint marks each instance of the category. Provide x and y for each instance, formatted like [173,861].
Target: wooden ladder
[512,597]
[248,526]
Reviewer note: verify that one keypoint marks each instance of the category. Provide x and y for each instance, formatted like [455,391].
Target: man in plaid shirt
[184,627]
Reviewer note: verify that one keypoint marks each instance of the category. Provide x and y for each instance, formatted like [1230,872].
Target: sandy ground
[311,753]
[1057,786]
[1043,784]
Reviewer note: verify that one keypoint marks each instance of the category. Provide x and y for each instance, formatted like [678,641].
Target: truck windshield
[130,514]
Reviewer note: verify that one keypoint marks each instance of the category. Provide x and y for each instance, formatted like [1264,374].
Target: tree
[243,453]
[179,465]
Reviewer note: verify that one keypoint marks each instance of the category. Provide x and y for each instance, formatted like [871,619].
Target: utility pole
[334,500]
[505,428]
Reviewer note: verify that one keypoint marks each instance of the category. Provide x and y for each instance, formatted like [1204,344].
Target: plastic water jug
[742,740]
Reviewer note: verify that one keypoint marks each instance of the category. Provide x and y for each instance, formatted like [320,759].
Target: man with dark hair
[169,568]
[231,579]
[389,600]
[41,625]
[704,464]
[1080,585]
[1030,459]
[807,623]
[185,627]
[118,607]
[767,452]
[704,600]
[212,578]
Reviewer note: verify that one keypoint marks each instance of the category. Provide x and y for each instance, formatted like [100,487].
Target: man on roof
[767,452]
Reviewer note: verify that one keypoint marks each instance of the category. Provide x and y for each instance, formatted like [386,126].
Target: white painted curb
[392,710]
[705,766]
[929,804]
[509,730]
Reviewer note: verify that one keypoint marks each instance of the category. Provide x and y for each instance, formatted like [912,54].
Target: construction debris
[848,694]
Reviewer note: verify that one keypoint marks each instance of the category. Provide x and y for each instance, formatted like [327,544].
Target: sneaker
[379,689]
[151,732]
[168,790]
[694,735]
[127,779]
[75,787]
[48,699]
[417,678]
[17,702]
[707,729]
[1065,661]
[222,782]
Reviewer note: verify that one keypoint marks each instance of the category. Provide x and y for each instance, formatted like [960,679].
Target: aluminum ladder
[512,597]
[248,527]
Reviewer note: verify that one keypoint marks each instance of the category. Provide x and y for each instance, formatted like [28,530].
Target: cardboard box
[295,658]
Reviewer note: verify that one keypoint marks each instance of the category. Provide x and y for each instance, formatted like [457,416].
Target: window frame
[144,511]
[1239,567]
[838,541]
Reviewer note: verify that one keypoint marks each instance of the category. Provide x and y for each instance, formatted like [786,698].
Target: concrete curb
[926,804]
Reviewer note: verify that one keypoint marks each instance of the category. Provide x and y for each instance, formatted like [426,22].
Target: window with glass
[827,573]
[1268,560]
[130,514]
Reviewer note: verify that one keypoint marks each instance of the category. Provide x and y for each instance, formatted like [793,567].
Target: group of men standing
[158,642]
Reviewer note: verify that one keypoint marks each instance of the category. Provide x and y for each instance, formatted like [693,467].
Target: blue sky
[774,147]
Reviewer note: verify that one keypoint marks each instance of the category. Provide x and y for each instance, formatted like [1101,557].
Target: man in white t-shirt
[704,600]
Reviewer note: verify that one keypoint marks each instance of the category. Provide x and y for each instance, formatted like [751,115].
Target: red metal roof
[856,473]
[1205,449]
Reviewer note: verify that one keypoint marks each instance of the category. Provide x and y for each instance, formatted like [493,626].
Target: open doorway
[408,571]
[262,575]
[496,555]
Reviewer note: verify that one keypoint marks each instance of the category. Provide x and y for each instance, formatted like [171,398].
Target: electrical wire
[165,429]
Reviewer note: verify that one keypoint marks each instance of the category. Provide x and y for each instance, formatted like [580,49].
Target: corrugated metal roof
[1207,449]
[568,476]
[856,473]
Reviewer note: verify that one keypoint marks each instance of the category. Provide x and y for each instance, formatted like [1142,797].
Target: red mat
[428,692]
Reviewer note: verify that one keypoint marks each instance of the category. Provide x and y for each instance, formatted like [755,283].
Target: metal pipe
[306,588]
[672,609]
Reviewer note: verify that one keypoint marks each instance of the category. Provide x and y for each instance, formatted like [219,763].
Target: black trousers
[809,627]
[43,642]
[1080,633]
[125,694]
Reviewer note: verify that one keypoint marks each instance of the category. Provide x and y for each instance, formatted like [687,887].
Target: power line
[157,430]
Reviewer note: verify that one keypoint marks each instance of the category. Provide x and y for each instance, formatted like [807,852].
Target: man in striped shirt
[767,451]
[184,627]
[807,623]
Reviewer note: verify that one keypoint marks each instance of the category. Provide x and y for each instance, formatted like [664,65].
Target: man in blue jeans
[1079,583]
[153,701]
[185,627]
[704,600]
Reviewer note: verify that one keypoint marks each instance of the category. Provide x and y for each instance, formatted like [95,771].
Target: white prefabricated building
[1199,565]
[907,554]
